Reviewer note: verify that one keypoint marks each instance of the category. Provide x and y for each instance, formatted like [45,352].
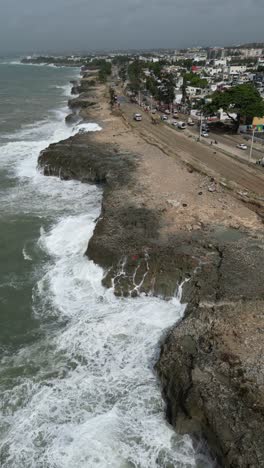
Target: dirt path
[164,182]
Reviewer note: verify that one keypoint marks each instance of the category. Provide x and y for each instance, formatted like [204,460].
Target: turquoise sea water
[77,387]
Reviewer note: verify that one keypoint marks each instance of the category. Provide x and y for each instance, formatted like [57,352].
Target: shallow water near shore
[77,383]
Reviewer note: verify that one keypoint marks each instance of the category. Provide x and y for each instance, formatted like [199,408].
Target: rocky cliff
[211,364]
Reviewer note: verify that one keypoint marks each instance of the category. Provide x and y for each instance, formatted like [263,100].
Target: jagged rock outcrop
[212,372]
[211,364]
[72,118]
[126,239]
[82,102]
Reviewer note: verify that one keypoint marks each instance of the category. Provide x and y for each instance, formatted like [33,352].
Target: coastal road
[228,142]
[205,158]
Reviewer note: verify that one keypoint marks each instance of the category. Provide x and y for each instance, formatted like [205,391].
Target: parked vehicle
[181,125]
[205,134]
[241,146]
[164,117]
[190,122]
[137,117]
[167,112]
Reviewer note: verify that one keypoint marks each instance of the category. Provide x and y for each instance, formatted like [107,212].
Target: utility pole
[151,103]
[201,123]
[251,146]
[139,98]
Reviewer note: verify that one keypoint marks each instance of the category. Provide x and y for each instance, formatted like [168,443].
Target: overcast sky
[71,25]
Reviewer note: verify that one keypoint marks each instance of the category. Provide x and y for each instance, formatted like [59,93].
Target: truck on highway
[137,117]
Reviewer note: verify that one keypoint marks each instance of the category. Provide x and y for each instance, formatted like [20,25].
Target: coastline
[152,234]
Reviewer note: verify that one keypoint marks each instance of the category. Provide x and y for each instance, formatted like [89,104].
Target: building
[235,69]
[251,52]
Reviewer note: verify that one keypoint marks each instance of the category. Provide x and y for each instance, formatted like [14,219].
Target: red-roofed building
[196,69]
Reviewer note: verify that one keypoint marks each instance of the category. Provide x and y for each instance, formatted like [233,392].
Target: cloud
[30,25]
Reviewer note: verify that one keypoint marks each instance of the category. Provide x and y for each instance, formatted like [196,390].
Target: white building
[200,58]
[251,53]
[220,62]
[236,69]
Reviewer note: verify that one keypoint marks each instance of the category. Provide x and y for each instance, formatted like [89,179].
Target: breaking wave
[83,394]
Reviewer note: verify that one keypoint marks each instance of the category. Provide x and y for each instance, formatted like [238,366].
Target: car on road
[137,117]
[205,134]
[242,146]
[167,111]
[190,122]
[164,117]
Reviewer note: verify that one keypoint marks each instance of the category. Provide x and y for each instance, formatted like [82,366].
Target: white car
[137,117]
[242,146]
[205,134]
[164,117]
[167,111]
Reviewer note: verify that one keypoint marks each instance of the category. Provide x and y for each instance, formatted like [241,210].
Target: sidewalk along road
[203,158]
[229,143]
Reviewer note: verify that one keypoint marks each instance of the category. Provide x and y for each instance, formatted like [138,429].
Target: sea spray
[94,399]
[77,387]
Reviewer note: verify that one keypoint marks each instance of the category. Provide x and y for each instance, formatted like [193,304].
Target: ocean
[77,385]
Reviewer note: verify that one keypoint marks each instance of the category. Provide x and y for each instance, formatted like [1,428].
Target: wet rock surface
[211,368]
[211,364]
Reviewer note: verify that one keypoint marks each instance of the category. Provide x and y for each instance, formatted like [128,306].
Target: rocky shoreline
[211,366]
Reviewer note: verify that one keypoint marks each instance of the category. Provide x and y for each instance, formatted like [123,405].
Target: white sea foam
[95,401]
[26,255]
[65,88]
[18,62]
[10,62]
[86,395]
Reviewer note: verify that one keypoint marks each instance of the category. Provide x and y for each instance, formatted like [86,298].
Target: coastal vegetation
[162,90]
[135,75]
[192,79]
[243,100]
[105,70]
